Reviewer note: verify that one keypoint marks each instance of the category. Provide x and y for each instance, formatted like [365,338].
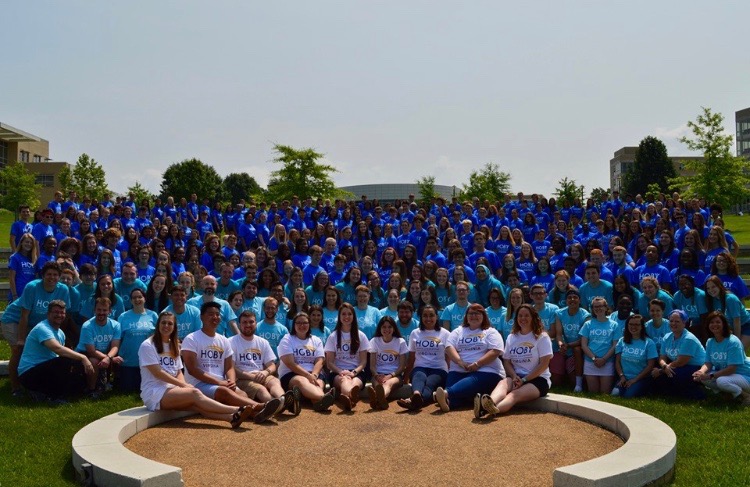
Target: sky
[388,91]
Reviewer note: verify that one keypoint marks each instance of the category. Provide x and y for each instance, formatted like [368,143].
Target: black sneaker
[325,403]
[478,410]
[269,409]
[296,401]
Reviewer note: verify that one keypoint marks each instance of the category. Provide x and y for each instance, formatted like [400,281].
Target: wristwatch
[523,380]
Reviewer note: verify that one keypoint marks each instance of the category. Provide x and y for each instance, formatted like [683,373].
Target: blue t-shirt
[188,321]
[589,292]
[687,344]
[87,307]
[100,336]
[571,325]
[227,314]
[657,333]
[34,350]
[134,329]
[367,320]
[123,290]
[454,314]
[24,270]
[273,333]
[694,306]
[36,300]
[634,356]
[728,352]
[601,336]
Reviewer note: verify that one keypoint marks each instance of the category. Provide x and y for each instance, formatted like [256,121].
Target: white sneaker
[615,391]
[442,399]
[578,389]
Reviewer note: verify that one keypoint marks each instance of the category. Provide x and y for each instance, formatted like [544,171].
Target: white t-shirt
[305,352]
[152,389]
[387,353]
[471,345]
[344,360]
[523,351]
[211,353]
[429,348]
[251,355]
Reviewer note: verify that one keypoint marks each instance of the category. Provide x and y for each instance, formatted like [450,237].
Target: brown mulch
[366,447]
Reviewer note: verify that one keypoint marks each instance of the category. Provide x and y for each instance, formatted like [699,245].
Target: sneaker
[40,396]
[372,396]
[58,401]
[242,414]
[268,409]
[442,400]
[578,389]
[615,391]
[287,402]
[296,402]
[478,410]
[354,395]
[405,403]
[489,405]
[325,402]
[381,400]
[94,395]
[417,401]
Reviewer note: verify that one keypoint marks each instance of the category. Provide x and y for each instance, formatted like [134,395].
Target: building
[19,146]
[388,193]
[742,121]
[623,162]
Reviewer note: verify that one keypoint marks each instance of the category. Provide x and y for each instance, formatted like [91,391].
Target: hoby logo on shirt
[167,361]
[212,352]
[305,351]
[523,348]
[471,339]
[250,355]
[388,356]
[428,342]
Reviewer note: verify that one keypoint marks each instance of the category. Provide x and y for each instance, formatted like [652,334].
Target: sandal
[242,414]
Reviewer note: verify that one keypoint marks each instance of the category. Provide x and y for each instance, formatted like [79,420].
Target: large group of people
[245,311]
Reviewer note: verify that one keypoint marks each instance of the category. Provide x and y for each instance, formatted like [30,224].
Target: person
[228,326]
[427,360]
[105,288]
[48,368]
[568,323]
[186,315]
[454,314]
[128,281]
[526,359]
[100,341]
[367,316]
[136,325]
[727,368]
[163,384]
[301,366]
[269,328]
[209,364]
[21,266]
[598,340]
[255,366]
[635,357]
[718,298]
[346,357]
[682,354]
[474,351]
[388,355]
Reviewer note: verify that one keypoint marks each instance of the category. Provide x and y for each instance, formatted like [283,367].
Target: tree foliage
[721,177]
[652,192]
[599,194]
[489,183]
[652,165]
[182,179]
[241,186]
[301,174]
[426,185]
[140,192]
[567,191]
[86,178]
[19,187]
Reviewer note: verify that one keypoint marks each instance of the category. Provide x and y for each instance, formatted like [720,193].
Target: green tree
[567,191]
[87,178]
[720,177]
[426,185]
[489,183]
[599,194]
[301,174]
[182,179]
[652,165]
[241,186]
[652,192]
[19,187]
[141,193]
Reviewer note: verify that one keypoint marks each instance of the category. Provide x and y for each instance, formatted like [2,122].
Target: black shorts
[541,384]
[363,376]
[289,375]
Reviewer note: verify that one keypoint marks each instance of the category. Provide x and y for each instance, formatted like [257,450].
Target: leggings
[426,381]
[734,384]
[462,387]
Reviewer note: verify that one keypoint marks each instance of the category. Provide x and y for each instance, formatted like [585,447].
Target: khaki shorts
[10,333]
[252,387]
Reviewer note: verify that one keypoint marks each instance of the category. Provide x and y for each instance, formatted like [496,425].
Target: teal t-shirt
[728,352]
[187,322]
[367,320]
[601,336]
[657,333]
[571,325]
[100,336]
[34,350]
[687,344]
[35,299]
[454,314]
[134,329]
[634,356]
[272,332]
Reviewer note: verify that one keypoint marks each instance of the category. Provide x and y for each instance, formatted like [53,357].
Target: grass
[711,435]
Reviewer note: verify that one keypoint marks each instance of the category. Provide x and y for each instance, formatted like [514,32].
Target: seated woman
[474,350]
[388,354]
[727,368]
[346,357]
[635,358]
[681,356]
[427,363]
[301,367]
[526,359]
[164,387]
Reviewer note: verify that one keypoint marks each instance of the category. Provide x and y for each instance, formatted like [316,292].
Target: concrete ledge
[100,445]
[3,367]
[647,457]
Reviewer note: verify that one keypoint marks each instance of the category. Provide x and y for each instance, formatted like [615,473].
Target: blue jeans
[681,385]
[640,388]
[425,381]
[462,387]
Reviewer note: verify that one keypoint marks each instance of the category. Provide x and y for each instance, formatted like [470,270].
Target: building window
[3,153]
[25,156]
[37,158]
[46,180]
